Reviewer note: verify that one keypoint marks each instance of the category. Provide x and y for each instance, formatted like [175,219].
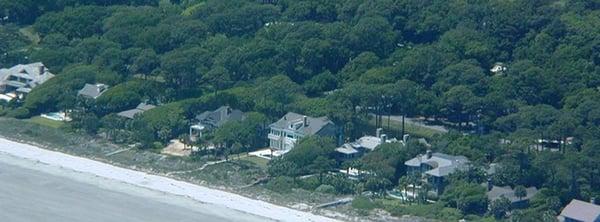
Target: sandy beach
[211,204]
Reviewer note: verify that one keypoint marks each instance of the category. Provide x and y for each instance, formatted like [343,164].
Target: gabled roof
[29,75]
[346,149]
[145,107]
[141,108]
[581,211]
[220,116]
[442,164]
[92,90]
[295,122]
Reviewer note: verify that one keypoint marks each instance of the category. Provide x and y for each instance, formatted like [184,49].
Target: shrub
[363,203]
[281,184]
[325,189]
[19,113]
[310,183]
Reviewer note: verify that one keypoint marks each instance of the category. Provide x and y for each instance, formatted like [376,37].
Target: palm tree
[403,184]
[520,192]
[414,180]
[425,187]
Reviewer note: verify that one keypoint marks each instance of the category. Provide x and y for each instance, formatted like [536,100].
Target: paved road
[418,122]
[28,195]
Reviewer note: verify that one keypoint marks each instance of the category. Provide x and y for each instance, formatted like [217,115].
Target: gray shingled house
[92,91]
[496,192]
[436,167]
[286,132]
[580,211]
[210,120]
[141,108]
[19,80]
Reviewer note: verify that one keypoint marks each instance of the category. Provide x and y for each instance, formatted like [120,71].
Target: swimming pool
[57,116]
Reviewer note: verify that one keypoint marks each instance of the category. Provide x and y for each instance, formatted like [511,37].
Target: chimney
[100,87]
[41,69]
[490,186]
[405,138]
[383,138]
[378,132]
[228,110]
[305,121]
[429,154]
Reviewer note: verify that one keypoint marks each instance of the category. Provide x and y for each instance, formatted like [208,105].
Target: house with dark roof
[210,120]
[580,211]
[92,91]
[286,132]
[141,108]
[435,167]
[18,81]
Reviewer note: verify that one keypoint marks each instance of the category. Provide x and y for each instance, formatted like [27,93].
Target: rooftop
[92,90]
[496,192]
[347,149]
[220,116]
[365,142]
[442,164]
[581,211]
[25,76]
[141,108]
[302,124]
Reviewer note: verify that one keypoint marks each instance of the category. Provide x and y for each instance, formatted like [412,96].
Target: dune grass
[46,122]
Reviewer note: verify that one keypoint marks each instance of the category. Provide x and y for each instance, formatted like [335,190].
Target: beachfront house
[285,133]
[18,81]
[141,108]
[580,211]
[211,120]
[92,91]
[497,192]
[435,168]
[362,145]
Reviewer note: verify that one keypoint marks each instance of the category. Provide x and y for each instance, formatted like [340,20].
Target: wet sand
[27,194]
[205,202]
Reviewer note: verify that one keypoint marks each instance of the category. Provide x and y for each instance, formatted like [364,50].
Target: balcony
[273,137]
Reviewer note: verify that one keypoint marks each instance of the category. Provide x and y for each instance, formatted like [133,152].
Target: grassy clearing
[260,162]
[30,33]
[46,122]
[410,128]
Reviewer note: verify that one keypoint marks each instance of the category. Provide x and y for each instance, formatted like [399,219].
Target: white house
[292,127]
[362,145]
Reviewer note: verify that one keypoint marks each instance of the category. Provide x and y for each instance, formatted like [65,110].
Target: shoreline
[153,182]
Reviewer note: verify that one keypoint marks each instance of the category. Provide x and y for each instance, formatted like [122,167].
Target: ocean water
[35,192]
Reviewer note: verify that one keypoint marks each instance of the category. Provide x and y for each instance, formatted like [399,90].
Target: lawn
[46,122]
[261,162]
[30,33]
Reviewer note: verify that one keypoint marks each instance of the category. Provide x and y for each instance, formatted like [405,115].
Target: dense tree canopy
[349,60]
